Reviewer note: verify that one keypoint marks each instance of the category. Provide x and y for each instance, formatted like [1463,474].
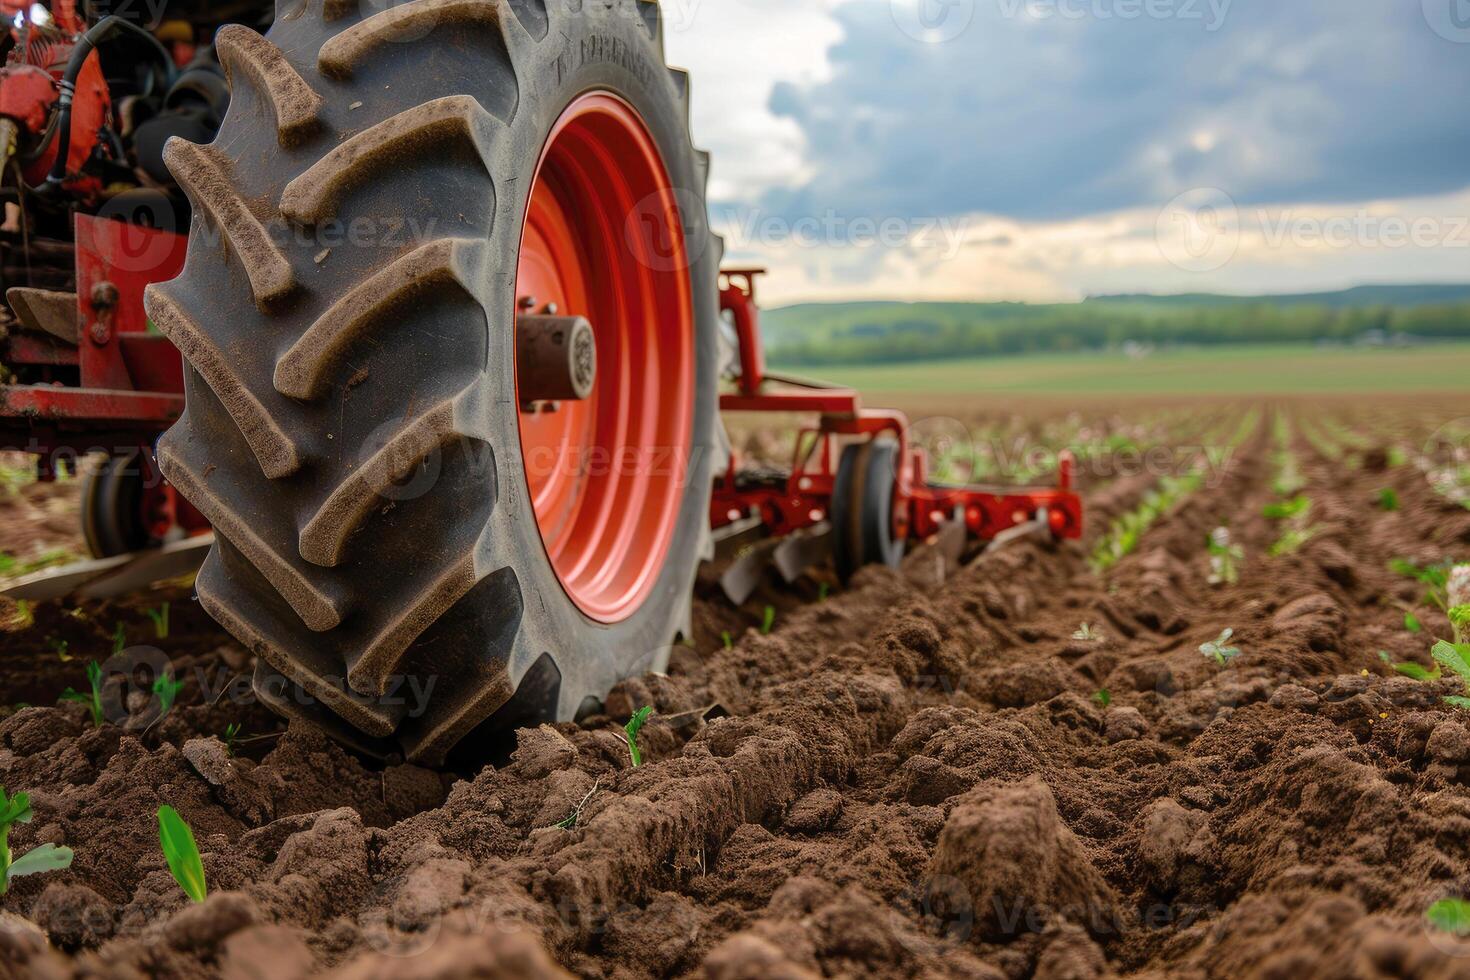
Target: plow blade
[108,578]
[791,556]
[745,573]
[802,550]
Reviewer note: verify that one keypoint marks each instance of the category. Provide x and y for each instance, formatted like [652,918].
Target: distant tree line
[883,333]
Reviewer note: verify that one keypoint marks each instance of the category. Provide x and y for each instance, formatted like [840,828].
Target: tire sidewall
[608,47]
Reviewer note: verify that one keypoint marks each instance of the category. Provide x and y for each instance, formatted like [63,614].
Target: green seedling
[92,699]
[1450,915]
[1410,669]
[822,591]
[1460,621]
[167,688]
[1388,499]
[159,617]
[1287,509]
[1086,633]
[632,728]
[1412,624]
[119,640]
[182,854]
[1455,657]
[60,647]
[1289,480]
[1219,649]
[1291,541]
[1225,558]
[56,556]
[1435,579]
[48,857]
[570,821]
[727,639]
[24,617]
[768,621]
[1103,698]
[232,733]
[1126,532]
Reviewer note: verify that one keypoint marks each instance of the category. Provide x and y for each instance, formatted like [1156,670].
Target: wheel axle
[556,358]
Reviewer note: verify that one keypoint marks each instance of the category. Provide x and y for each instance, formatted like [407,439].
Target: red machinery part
[737,297]
[130,382]
[63,13]
[604,471]
[805,499]
[28,96]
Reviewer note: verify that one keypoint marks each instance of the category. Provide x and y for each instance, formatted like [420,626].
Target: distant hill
[1358,296]
[872,332]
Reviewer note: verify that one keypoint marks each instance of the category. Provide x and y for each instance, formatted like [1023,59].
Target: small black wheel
[862,508]
[112,507]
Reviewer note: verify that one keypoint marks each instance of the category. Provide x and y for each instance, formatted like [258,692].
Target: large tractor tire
[416,541]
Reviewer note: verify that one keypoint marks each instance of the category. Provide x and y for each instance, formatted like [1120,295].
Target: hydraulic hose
[86,44]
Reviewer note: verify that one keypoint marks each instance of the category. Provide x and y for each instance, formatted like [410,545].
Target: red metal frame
[129,383]
[805,499]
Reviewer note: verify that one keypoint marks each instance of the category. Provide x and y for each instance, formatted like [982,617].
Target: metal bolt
[104,295]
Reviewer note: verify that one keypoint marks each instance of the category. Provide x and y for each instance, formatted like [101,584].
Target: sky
[1046,150]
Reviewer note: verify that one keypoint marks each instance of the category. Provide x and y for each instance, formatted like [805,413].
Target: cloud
[1061,128]
[1059,108]
[738,52]
[1244,249]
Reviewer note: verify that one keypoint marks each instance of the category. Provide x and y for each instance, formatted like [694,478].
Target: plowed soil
[911,776]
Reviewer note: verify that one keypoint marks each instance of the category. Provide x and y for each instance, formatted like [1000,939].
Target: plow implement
[856,493]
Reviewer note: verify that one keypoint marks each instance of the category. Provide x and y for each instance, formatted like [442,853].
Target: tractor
[414,312]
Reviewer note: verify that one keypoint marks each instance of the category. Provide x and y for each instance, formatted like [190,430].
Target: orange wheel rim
[603,239]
